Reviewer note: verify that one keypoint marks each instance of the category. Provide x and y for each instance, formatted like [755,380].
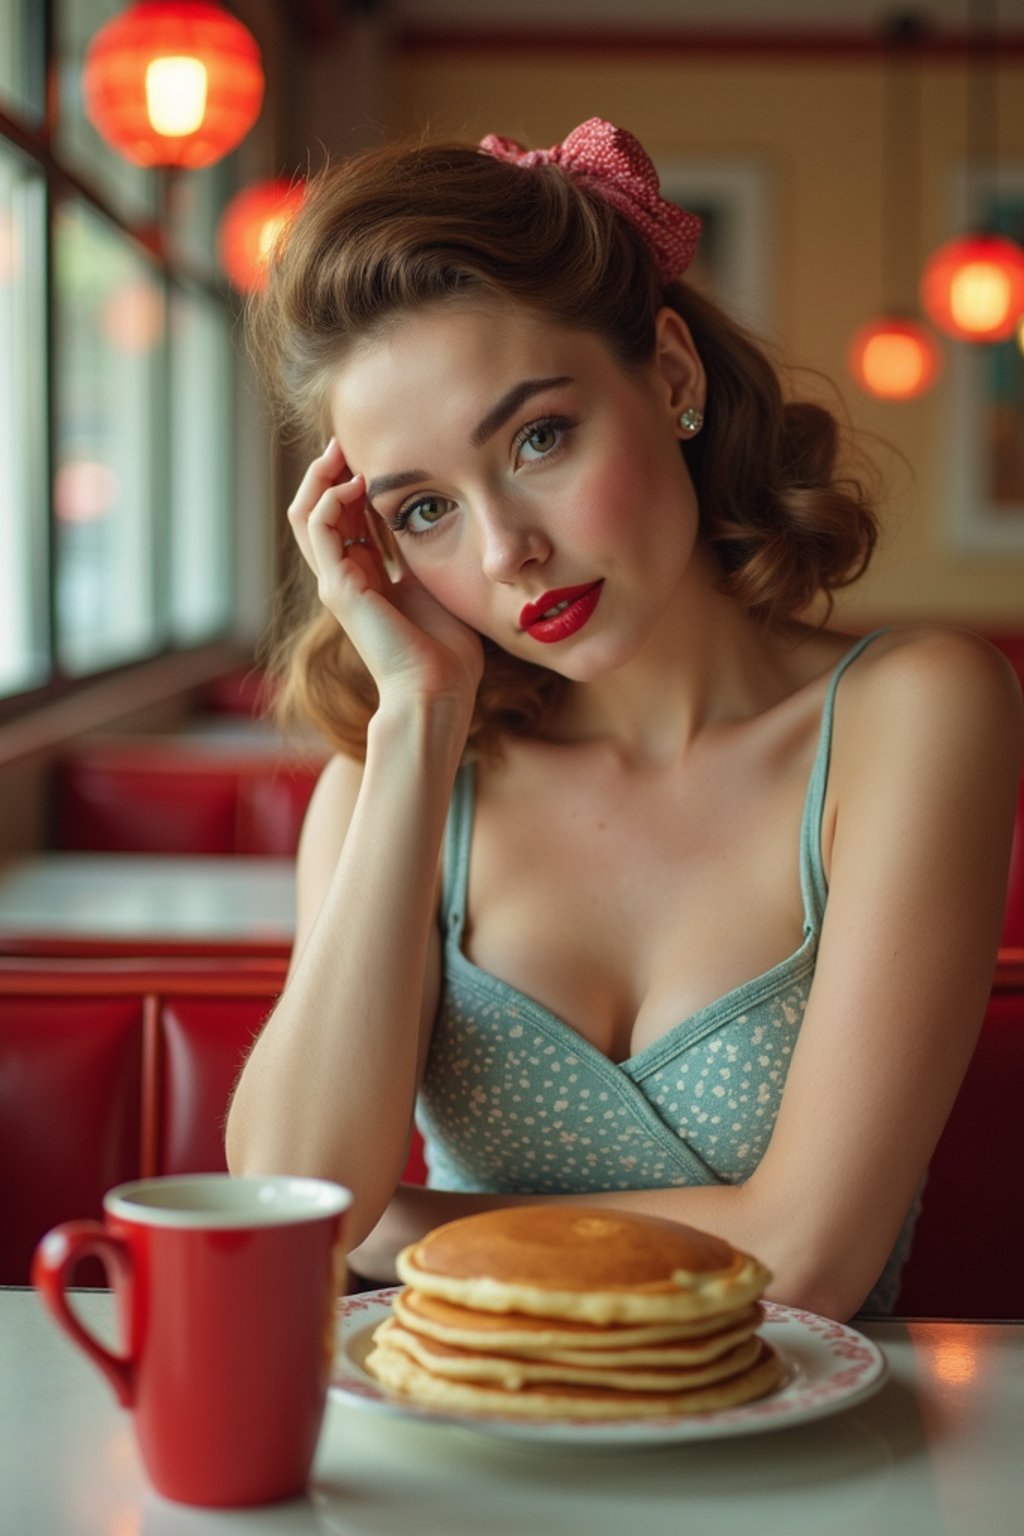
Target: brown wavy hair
[395,229]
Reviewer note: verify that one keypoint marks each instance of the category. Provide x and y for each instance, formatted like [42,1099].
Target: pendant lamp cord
[901,146]
[982,109]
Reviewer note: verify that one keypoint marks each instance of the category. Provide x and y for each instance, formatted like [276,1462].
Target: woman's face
[533,485]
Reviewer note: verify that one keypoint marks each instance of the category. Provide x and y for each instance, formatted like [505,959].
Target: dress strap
[813,881]
[458,834]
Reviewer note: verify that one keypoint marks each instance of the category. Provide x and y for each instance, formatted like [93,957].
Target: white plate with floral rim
[829,1367]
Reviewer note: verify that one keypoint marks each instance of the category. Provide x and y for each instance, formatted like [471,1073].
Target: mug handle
[54,1259]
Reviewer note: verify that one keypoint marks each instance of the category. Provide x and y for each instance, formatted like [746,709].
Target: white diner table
[75,903]
[936,1452]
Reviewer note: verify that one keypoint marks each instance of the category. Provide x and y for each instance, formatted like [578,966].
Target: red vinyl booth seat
[269,811]
[245,691]
[967,1258]
[203,1042]
[158,797]
[113,1070]
[1013,917]
[70,1114]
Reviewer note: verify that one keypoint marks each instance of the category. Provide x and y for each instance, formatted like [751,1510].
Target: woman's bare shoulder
[934,667]
[931,688]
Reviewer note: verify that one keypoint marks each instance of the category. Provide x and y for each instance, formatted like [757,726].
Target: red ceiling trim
[954,47]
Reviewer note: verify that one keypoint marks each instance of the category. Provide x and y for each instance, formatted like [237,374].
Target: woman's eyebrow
[384,483]
[508,405]
[496,417]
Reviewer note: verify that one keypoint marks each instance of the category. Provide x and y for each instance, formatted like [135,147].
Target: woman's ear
[678,368]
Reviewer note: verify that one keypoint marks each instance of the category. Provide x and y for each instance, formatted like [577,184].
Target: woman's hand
[411,645]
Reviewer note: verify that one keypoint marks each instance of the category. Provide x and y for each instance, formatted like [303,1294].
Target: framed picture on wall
[734,259]
[986,430]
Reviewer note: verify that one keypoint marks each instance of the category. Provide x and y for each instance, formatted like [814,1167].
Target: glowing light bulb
[974,288]
[173,83]
[252,226]
[980,297]
[894,359]
[176,95]
[270,233]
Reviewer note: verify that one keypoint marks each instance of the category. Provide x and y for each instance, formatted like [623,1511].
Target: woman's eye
[421,516]
[542,439]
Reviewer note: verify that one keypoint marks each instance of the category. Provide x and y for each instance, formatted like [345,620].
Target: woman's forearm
[805,1273]
[329,1086]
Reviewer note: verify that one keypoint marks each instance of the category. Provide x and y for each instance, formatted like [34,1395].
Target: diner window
[24,662]
[19,80]
[201,543]
[118,353]
[108,485]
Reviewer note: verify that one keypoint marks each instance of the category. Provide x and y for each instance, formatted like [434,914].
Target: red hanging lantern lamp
[973,288]
[894,358]
[251,226]
[174,83]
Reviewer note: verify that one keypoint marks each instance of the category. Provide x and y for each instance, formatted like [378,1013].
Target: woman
[656,892]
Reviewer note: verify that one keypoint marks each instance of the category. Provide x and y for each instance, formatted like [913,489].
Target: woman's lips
[559,614]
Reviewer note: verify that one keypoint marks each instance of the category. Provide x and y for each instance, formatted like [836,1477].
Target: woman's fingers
[328,519]
[342,544]
[323,473]
[405,638]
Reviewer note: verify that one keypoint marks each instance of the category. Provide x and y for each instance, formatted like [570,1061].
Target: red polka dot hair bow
[615,166]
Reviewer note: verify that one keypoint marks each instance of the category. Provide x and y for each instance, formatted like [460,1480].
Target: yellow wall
[815,125]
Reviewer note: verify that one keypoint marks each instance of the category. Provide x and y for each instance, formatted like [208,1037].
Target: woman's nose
[511,539]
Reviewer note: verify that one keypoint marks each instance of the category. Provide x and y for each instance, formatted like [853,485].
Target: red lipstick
[560,613]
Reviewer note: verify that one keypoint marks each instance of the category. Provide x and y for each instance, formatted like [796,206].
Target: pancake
[553,1311]
[534,1400]
[561,1261]
[512,1371]
[452,1324]
[574,1343]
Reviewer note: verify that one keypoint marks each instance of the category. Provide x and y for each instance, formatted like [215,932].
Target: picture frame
[735,258]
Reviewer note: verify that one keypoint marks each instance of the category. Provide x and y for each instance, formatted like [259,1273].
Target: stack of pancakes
[556,1311]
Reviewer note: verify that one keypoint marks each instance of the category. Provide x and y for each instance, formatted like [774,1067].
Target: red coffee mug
[226,1293]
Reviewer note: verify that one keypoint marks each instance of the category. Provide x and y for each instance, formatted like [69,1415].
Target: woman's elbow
[825,1296]
[831,1285]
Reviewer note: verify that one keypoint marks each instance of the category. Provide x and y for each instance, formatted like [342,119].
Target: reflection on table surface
[130,896]
[937,1450]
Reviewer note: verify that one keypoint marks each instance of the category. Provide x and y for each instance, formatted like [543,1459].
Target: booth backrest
[967,1258]
[154,797]
[113,1070]
[1013,917]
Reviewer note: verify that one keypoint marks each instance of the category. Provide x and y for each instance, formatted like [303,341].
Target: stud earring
[691,420]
